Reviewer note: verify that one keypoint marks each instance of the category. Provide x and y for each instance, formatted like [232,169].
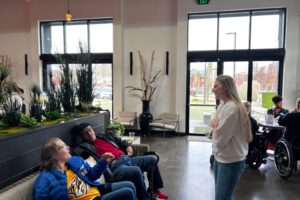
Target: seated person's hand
[108,157]
[129,151]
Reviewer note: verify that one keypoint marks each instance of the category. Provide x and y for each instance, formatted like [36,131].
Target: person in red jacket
[125,167]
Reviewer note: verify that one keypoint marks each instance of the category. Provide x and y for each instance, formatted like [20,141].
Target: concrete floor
[187,174]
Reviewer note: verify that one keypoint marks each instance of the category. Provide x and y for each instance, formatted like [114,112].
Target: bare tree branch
[148,86]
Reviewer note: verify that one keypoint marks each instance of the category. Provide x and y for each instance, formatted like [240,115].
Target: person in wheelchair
[287,149]
[257,151]
[291,121]
[273,135]
[277,110]
[124,167]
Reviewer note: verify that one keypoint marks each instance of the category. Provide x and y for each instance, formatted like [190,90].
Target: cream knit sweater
[229,141]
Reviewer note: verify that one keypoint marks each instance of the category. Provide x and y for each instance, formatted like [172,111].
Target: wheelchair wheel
[255,159]
[284,158]
[211,159]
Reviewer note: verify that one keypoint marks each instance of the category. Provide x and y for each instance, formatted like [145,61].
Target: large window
[247,45]
[66,38]
[263,29]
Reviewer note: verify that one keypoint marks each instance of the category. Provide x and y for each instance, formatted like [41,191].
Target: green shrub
[36,103]
[52,115]
[84,74]
[2,125]
[53,93]
[114,126]
[12,114]
[27,121]
[67,93]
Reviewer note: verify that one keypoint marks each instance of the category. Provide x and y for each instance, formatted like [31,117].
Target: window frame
[97,58]
[250,55]
[251,11]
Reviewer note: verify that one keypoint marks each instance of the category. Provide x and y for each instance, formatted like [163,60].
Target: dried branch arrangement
[148,82]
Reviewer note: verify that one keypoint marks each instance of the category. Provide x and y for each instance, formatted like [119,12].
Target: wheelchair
[286,156]
[257,154]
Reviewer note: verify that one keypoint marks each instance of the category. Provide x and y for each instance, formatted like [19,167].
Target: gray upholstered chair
[127,119]
[166,122]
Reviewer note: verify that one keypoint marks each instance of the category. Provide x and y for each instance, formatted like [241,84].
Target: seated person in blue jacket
[291,121]
[124,167]
[277,109]
[64,177]
[275,134]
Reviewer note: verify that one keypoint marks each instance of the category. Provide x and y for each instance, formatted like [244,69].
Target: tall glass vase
[145,117]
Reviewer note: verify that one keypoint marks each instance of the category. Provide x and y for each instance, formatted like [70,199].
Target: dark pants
[132,168]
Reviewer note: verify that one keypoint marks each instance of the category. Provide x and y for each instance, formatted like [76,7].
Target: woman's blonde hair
[49,150]
[229,85]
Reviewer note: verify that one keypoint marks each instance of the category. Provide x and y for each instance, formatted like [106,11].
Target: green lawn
[104,103]
[196,112]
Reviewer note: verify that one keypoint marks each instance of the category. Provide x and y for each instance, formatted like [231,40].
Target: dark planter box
[20,152]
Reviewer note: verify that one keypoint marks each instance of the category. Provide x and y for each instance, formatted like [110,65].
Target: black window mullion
[220,67]
[218,32]
[45,72]
[250,78]
[280,76]
[187,108]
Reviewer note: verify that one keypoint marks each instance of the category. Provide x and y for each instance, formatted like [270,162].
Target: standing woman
[230,137]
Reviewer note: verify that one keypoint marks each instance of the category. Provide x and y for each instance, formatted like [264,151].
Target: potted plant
[116,128]
[67,87]
[84,74]
[10,100]
[145,91]
[36,102]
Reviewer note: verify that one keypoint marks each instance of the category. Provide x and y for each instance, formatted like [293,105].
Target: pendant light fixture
[68,14]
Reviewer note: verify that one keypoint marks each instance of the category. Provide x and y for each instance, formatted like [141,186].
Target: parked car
[102,92]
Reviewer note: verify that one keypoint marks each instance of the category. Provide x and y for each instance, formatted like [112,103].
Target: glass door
[201,105]
[264,86]
[239,72]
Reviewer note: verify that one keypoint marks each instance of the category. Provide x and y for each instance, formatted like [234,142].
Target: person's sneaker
[160,195]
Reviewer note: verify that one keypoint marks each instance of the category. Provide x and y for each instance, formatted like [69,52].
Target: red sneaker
[160,195]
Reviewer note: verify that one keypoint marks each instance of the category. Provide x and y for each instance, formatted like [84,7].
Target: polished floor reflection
[187,175]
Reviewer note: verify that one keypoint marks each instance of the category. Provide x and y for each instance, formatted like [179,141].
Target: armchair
[127,119]
[166,122]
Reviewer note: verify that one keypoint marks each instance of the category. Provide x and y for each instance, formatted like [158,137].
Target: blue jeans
[124,190]
[132,168]
[226,177]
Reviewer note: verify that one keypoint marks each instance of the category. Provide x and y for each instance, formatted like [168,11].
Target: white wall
[14,37]
[150,26]
[144,25]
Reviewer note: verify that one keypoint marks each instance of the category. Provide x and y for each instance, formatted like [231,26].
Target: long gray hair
[229,85]
[49,150]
